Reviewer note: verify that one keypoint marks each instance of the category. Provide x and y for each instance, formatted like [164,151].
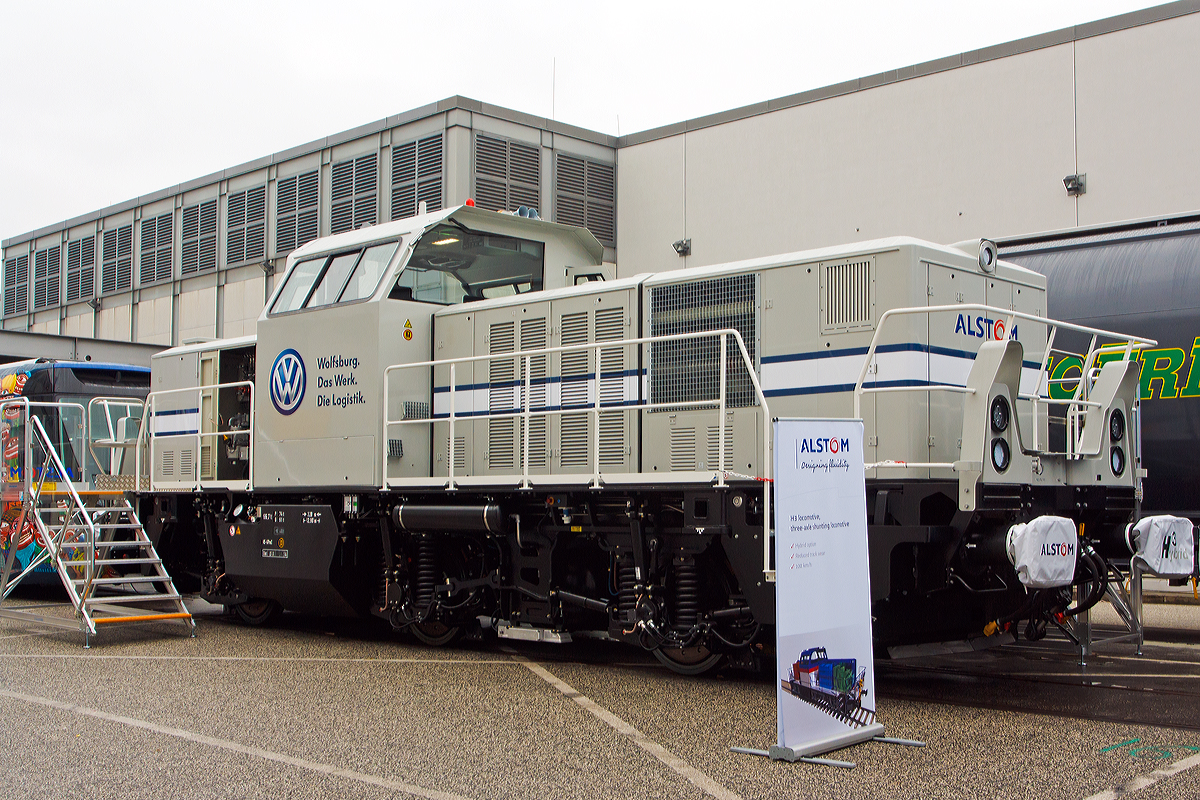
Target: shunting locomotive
[462,423]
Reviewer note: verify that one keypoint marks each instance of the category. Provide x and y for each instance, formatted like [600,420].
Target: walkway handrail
[146,437]
[526,412]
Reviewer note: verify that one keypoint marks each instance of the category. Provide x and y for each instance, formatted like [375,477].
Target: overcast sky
[104,101]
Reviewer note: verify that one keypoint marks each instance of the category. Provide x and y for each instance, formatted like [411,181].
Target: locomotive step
[130,579]
[136,598]
[104,562]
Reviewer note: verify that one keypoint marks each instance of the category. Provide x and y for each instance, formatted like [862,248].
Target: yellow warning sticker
[408,323]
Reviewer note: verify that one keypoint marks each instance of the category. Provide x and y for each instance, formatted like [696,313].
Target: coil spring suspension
[686,599]
[426,572]
[626,590]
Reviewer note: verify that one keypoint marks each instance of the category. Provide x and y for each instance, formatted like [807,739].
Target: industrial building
[1075,128]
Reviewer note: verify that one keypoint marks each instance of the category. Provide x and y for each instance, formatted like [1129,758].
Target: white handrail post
[596,426]
[527,401]
[721,413]
[450,446]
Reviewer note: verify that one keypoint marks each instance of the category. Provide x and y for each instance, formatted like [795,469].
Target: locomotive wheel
[258,611]
[689,660]
[435,633]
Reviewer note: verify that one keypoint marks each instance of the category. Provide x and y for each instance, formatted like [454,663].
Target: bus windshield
[451,264]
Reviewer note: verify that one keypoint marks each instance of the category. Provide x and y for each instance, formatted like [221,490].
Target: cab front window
[451,264]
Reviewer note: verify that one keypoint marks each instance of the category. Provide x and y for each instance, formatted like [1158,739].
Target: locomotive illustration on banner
[462,423]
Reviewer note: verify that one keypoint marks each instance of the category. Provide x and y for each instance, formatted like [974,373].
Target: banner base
[866,733]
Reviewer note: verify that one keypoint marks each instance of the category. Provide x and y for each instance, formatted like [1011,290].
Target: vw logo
[287,381]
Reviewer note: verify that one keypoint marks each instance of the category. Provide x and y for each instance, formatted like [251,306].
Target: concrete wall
[963,152]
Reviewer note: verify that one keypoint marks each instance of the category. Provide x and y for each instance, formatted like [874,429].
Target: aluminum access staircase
[91,537]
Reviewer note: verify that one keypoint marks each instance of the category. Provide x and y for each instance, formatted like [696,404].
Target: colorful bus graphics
[48,381]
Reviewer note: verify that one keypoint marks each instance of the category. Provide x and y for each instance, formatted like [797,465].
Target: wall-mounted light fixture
[94,303]
[268,268]
[1076,184]
[683,247]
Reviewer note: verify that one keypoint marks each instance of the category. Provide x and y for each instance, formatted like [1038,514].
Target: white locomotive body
[461,422]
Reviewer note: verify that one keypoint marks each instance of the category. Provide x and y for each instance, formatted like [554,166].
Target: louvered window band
[507,174]
[245,226]
[585,195]
[295,211]
[116,268]
[690,370]
[417,176]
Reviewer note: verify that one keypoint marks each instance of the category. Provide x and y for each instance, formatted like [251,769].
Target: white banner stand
[825,659]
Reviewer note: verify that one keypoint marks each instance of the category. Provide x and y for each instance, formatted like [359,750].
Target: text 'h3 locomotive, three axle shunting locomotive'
[462,423]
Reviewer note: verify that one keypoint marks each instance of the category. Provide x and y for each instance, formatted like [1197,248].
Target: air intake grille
[846,295]
[690,370]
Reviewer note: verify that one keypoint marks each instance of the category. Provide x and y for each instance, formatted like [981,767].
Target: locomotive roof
[469,216]
[1005,269]
[211,344]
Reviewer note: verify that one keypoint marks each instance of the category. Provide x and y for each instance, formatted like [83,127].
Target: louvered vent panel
[296,211]
[168,463]
[47,277]
[689,370]
[585,195]
[245,226]
[206,462]
[502,375]
[524,164]
[533,337]
[573,440]
[460,452]
[354,193]
[16,285]
[429,156]
[116,268]
[490,194]
[415,409]
[186,465]
[404,180]
[491,157]
[714,440]
[198,234]
[342,214]
[81,269]
[846,296]
[612,438]
[156,248]
[256,223]
[683,449]
[574,364]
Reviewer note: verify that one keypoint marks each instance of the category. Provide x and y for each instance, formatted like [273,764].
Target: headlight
[1116,460]
[1116,425]
[1000,454]
[999,414]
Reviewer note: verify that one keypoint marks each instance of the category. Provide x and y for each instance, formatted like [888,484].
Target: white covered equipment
[1044,551]
[1164,544]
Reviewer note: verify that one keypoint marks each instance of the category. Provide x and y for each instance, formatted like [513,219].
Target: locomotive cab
[350,305]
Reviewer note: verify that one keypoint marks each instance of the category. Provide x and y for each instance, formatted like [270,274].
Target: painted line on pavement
[1143,781]
[234,747]
[681,767]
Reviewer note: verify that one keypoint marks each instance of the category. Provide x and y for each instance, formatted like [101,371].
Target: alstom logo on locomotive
[1064,549]
[982,327]
[287,381]
[833,445]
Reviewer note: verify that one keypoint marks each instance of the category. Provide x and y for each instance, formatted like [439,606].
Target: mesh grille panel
[690,370]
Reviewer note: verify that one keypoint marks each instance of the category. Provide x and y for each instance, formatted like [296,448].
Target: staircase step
[106,562]
[132,598]
[73,545]
[127,579]
[143,617]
